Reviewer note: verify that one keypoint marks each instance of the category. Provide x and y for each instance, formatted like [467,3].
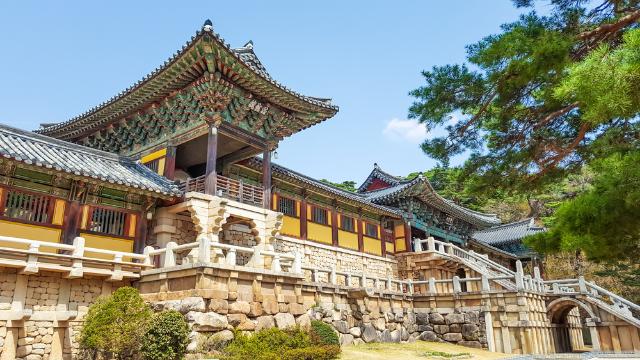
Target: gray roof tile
[507,233]
[79,160]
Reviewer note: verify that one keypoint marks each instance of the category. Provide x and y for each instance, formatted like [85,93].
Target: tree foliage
[166,338]
[345,185]
[541,98]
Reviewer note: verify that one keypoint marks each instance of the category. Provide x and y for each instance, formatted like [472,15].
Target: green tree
[345,185]
[115,324]
[166,338]
[541,98]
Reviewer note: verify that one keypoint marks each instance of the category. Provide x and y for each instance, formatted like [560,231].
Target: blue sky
[61,58]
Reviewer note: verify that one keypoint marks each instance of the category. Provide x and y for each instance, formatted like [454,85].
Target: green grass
[419,350]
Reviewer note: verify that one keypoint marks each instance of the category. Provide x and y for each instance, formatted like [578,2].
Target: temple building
[169,187]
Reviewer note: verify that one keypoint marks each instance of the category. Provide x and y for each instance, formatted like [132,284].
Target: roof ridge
[503,226]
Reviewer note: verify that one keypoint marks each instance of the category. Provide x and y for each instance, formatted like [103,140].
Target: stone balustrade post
[314,275]
[556,288]
[582,285]
[32,259]
[147,253]
[117,275]
[333,278]
[449,249]
[389,283]
[297,263]
[410,285]
[456,285]
[78,253]
[231,257]
[257,259]
[417,245]
[363,280]
[486,286]
[169,256]
[377,283]
[275,264]
[519,276]
[432,286]
[204,249]
[431,243]
[347,280]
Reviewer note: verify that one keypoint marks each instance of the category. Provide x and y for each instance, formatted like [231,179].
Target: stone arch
[569,317]
[241,232]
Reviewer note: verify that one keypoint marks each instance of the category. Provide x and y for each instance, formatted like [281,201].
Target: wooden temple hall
[169,186]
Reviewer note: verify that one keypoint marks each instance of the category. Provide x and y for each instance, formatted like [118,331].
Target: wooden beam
[303,216]
[266,178]
[212,154]
[238,155]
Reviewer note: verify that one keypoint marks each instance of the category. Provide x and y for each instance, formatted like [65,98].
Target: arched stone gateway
[573,325]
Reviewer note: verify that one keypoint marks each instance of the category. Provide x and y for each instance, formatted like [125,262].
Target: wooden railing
[228,188]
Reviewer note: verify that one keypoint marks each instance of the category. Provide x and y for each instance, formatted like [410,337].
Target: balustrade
[228,188]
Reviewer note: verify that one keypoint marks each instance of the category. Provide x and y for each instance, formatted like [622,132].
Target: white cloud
[408,130]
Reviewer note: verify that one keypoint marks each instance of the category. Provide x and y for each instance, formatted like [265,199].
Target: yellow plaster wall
[372,246]
[399,232]
[58,212]
[29,232]
[320,233]
[400,245]
[106,243]
[389,247]
[348,239]
[132,224]
[161,163]
[290,226]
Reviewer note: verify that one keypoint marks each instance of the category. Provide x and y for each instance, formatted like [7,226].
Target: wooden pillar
[212,154]
[71,221]
[170,163]
[383,238]
[407,236]
[266,178]
[334,224]
[141,233]
[303,216]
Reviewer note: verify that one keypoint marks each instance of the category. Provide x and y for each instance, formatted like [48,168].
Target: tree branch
[613,27]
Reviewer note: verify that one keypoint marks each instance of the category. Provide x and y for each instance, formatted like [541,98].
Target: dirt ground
[412,351]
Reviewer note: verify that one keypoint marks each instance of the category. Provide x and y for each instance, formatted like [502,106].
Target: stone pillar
[10,344]
[57,342]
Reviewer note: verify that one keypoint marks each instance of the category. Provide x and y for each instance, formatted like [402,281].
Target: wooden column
[71,222]
[170,163]
[141,233]
[334,224]
[212,154]
[407,236]
[303,216]
[266,178]
[382,232]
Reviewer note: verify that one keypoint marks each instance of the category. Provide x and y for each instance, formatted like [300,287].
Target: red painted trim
[21,221]
[334,227]
[407,237]
[360,227]
[303,219]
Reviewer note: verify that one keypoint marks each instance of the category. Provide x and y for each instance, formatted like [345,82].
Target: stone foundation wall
[41,315]
[328,257]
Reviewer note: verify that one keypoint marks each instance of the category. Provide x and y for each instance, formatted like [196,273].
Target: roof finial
[249,44]
[375,165]
[208,25]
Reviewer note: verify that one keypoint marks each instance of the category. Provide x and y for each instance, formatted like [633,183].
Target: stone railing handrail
[75,260]
[208,249]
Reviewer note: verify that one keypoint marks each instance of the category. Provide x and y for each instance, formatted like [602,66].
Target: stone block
[304,321]
[255,309]
[455,328]
[380,324]
[296,309]
[470,332]
[396,336]
[341,326]
[454,318]
[207,321]
[452,337]
[428,336]
[270,306]
[436,319]
[264,322]
[219,306]
[369,333]
[441,329]
[239,307]
[284,320]
[422,318]
[346,339]
[355,331]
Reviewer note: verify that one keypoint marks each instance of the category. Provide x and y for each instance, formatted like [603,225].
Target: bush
[323,334]
[115,324]
[166,338]
[276,344]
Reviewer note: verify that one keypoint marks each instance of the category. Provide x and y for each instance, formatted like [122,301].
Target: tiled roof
[46,152]
[507,233]
[173,75]
[421,188]
[256,163]
[378,173]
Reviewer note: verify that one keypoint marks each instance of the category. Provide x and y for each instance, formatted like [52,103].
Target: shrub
[323,334]
[276,344]
[115,324]
[166,338]
[212,344]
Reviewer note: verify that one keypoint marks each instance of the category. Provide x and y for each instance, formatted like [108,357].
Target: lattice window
[371,230]
[319,215]
[287,206]
[347,223]
[28,207]
[108,221]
